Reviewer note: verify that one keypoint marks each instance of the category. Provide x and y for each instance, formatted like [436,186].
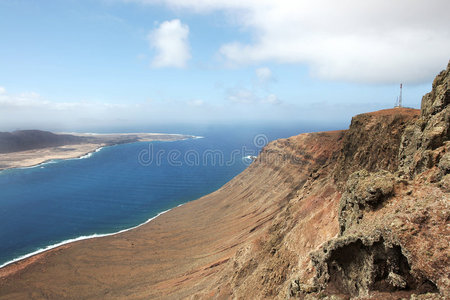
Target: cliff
[358,213]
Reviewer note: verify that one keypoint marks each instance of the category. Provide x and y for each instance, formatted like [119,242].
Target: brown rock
[357,264]
[431,131]
[364,190]
[444,163]
[372,142]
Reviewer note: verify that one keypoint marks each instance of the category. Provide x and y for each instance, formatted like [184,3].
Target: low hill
[22,140]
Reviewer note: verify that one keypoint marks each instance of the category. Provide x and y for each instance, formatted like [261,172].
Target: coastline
[73,240]
[35,158]
[285,226]
[95,142]
[77,153]
[205,248]
[180,247]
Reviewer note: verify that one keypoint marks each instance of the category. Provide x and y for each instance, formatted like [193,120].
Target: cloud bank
[30,110]
[372,41]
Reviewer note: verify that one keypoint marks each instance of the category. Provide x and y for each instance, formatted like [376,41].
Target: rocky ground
[362,213]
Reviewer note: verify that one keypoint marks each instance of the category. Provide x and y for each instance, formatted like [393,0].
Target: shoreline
[55,160]
[95,235]
[77,239]
[34,158]
[178,248]
[17,264]
[38,157]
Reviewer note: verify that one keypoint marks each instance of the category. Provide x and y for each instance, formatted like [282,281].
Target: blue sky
[84,65]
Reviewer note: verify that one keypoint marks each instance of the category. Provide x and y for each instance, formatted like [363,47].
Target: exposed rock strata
[375,253]
[373,141]
[425,142]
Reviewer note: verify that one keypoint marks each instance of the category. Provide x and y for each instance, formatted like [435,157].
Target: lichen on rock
[357,264]
[364,190]
[444,163]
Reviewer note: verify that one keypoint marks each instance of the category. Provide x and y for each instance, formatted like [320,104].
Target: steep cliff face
[370,221]
[373,140]
[393,214]
[306,217]
[425,143]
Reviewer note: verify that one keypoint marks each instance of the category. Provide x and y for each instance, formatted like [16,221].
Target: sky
[91,65]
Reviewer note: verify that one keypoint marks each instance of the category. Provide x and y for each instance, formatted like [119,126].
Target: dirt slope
[178,253]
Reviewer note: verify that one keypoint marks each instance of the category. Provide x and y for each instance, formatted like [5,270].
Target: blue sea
[120,187]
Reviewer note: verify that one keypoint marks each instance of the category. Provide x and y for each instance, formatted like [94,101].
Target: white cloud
[264,75]
[247,96]
[258,93]
[32,100]
[196,102]
[31,110]
[2,90]
[271,99]
[375,41]
[241,95]
[170,40]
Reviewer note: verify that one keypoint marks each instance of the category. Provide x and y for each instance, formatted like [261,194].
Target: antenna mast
[400,97]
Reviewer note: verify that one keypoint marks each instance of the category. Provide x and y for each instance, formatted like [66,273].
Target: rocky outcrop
[373,141]
[375,252]
[338,233]
[364,191]
[354,265]
[424,143]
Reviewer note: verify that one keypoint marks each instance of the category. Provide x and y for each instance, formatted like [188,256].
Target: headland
[19,152]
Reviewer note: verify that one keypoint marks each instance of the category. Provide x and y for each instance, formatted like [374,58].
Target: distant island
[25,148]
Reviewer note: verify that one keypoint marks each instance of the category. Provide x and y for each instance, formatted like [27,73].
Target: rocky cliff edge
[370,221]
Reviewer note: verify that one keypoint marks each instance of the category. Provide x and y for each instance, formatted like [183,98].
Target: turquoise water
[116,188]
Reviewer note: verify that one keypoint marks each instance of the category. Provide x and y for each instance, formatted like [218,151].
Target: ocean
[119,187]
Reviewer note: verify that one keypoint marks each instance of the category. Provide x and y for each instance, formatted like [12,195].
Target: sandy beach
[31,158]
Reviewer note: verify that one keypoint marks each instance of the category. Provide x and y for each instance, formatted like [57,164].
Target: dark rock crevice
[358,265]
